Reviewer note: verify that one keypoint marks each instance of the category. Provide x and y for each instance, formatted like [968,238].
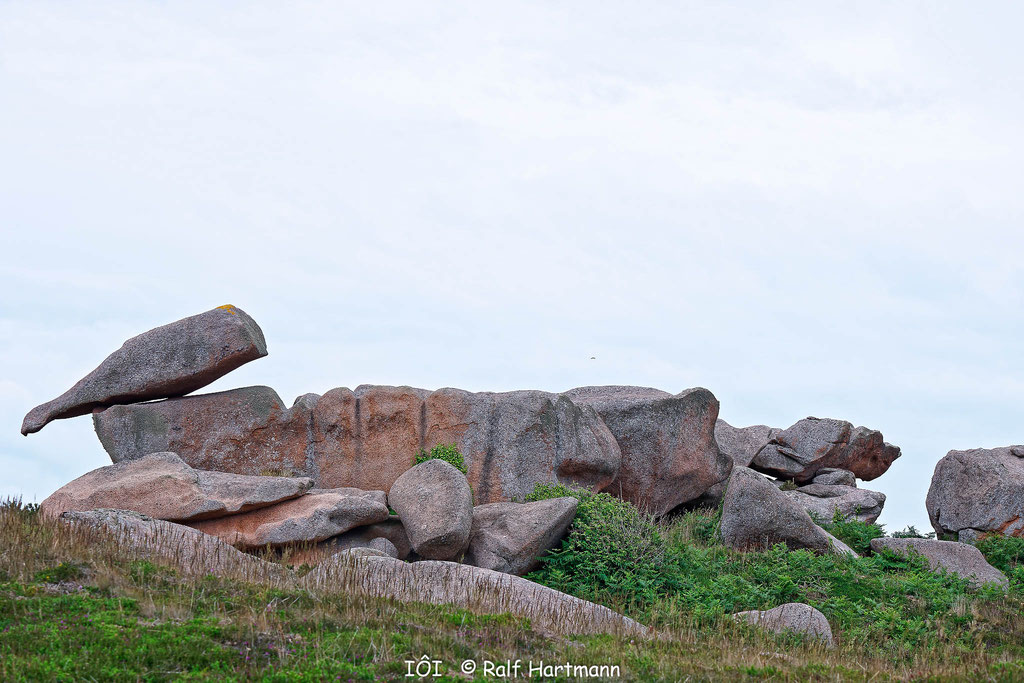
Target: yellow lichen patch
[229,308]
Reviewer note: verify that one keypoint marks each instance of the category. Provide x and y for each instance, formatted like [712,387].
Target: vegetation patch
[447,452]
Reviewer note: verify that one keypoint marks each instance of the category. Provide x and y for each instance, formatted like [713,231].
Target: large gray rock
[757,515]
[243,431]
[511,537]
[316,516]
[189,551]
[669,454]
[961,559]
[795,617]
[435,504]
[471,588]
[978,491]
[835,477]
[161,485]
[813,444]
[743,443]
[822,501]
[390,530]
[171,360]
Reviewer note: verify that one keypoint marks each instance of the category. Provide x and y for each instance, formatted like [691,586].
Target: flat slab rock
[823,500]
[756,515]
[472,588]
[316,516]
[796,617]
[511,537]
[961,559]
[171,360]
[162,486]
[978,491]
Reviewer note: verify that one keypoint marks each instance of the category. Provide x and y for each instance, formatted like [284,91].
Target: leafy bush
[447,452]
[912,532]
[853,532]
[1005,553]
[65,571]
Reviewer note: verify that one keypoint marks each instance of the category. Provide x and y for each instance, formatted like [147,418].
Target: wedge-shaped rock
[978,491]
[743,443]
[956,558]
[188,551]
[472,588]
[822,501]
[243,431]
[171,360]
[162,486]
[757,515]
[669,454]
[835,477]
[435,505]
[316,516]
[795,617]
[511,537]
[390,530]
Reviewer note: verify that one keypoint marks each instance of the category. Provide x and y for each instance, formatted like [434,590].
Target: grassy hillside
[76,606]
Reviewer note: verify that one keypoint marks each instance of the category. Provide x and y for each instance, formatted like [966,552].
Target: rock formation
[822,501]
[795,617]
[978,491]
[956,558]
[435,504]
[511,537]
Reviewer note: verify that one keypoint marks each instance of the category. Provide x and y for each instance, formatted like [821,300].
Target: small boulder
[961,559]
[383,545]
[794,617]
[161,486]
[390,530]
[756,515]
[435,504]
[822,501]
[171,360]
[316,516]
[977,491]
[835,477]
[669,454]
[511,537]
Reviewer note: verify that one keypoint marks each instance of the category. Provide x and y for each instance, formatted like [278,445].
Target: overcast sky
[807,212]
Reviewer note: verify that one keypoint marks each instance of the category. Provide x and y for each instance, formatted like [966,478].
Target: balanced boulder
[511,537]
[835,477]
[669,454]
[978,491]
[316,516]
[794,617]
[757,515]
[162,486]
[823,500]
[742,443]
[961,559]
[435,504]
[171,360]
[813,444]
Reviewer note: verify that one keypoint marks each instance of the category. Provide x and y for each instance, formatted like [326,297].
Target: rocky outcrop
[162,486]
[978,491]
[795,617]
[669,454]
[189,551]
[960,559]
[835,477]
[511,537]
[471,588]
[244,431]
[813,444]
[742,443]
[756,515]
[435,504]
[316,516]
[171,360]
[391,530]
[822,501]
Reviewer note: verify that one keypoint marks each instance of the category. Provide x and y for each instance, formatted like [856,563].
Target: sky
[806,210]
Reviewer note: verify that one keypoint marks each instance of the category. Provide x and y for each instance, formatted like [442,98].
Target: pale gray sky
[807,211]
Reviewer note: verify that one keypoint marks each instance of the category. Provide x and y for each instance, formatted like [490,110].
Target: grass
[77,605]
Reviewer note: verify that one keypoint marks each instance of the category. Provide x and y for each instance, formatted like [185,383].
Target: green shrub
[65,571]
[447,452]
[852,532]
[912,532]
[1005,553]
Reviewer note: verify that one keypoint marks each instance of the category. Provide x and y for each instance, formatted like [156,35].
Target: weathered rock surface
[243,431]
[316,516]
[978,491]
[669,454]
[435,504]
[743,443]
[813,444]
[822,501]
[511,537]
[162,486]
[176,545]
[473,588]
[792,616]
[368,437]
[757,515]
[835,477]
[170,360]
[383,545]
[391,530]
[956,558]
